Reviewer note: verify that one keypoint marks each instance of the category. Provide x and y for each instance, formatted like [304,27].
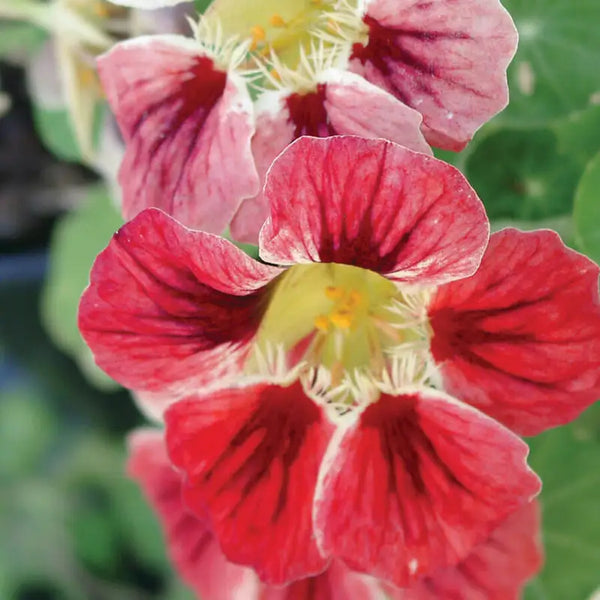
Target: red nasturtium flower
[404,70]
[495,569]
[317,422]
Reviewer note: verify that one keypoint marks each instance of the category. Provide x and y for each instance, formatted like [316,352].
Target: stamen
[277,21]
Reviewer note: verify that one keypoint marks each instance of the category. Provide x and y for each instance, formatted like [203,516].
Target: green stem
[31,11]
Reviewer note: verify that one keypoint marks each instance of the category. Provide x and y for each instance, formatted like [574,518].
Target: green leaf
[555,70]
[202,5]
[20,39]
[587,210]
[520,174]
[568,465]
[76,241]
[579,135]
[54,127]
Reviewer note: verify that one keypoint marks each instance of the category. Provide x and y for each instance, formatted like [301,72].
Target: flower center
[346,325]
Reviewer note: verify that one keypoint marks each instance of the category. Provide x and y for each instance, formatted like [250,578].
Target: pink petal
[343,103]
[337,583]
[496,569]
[416,483]
[372,204]
[520,339]
[187,126]
[192,547]
[251,458]
[170,310]
[446,59]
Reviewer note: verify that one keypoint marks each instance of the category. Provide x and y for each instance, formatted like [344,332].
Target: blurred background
[72,526]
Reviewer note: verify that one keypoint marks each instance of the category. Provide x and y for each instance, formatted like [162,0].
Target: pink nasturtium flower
[316,422]
[204,118]
[495,569]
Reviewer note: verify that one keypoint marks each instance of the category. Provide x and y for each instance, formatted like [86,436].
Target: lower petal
[416,483]
[251,458]
[520,339]
[192,547]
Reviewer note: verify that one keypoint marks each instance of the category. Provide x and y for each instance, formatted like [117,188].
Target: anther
[277,21]
[258,35]
[322,323]
[342,319]
[334,293]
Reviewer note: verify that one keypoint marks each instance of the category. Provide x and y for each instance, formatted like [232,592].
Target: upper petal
[447,60]
[496,569]
[372,204]
[187,125]
[251,457]
[416,483]
[170,310]
[191,545]
[520,339]
[342,103]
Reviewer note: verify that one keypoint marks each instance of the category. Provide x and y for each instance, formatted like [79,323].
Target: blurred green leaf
[520,174]
[202,5]
[18,39]
[555,70]
[587,210]
[54,127]
[579,134]
[76,241]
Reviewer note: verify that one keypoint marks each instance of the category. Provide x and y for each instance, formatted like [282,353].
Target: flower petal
[192,547]
[446,59]
[170,310]
[496,569]
[343,103]
[416,483]
[337,583]
[187,126]
[372,204]
[251,458]
[148,4]
[520,339]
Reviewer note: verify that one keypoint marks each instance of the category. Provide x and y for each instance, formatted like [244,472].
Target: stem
[32,11]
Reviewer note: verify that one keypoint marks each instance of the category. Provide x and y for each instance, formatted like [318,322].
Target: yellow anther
[342,319]
[275,75]
[334,293]
[101,10]
[258,35]
[354,299]
[277,21]
[322,323]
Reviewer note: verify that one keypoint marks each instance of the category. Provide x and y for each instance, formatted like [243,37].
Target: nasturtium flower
[215,111]
[496,569]
[317,421]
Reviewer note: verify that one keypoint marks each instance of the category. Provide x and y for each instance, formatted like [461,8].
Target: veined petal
[191,545]
[251,457]
[343,103]
[372,204]
[447,60]
[187,125]
[520,339]
[496,569]
[415,483]
[337,583]
[170,310]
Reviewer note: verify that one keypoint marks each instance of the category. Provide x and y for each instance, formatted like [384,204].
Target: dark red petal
[496,569]
[416,483]
[520,339]
[170,310]
[192,547]
[251,456]
[372,204]
[187,126]
[447,60]
[343,104]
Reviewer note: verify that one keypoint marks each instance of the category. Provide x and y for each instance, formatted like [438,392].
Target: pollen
[258,35]
[322,323]
[277,21]
[342,319]
[334,293]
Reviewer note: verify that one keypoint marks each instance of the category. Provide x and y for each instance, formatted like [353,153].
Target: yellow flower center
[351,323]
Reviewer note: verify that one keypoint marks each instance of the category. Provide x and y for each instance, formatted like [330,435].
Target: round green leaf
[555,70]
[587,210]
[76,241]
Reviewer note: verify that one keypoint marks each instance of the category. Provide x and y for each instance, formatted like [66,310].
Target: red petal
[372,204]
[520,339]
[343,104]
[187,126]
[416,483]
[497,569]
[251,456]
[192,547]
[171,310]
[447,60]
